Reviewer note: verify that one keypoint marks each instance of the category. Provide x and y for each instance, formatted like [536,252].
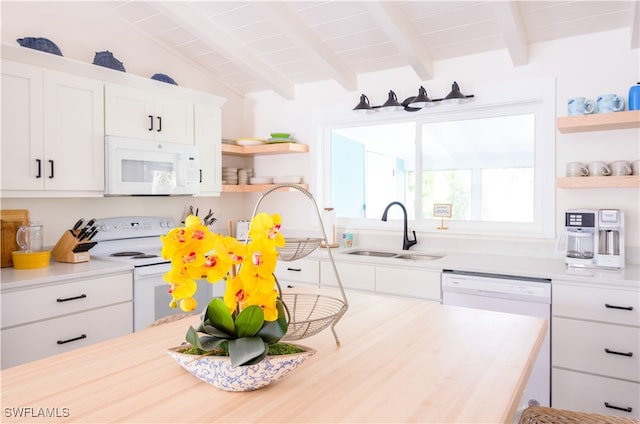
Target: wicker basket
[545,415]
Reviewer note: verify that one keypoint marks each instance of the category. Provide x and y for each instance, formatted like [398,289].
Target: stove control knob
[104,227]
[169,224]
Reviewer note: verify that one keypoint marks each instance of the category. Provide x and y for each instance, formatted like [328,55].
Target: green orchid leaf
[272,331]
[246,350]
[220,317]
[193,338]
[249,321]
[210,343]
[213,331]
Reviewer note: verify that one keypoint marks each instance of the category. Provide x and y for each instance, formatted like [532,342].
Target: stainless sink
[418,257]
[371,253]
[393,255]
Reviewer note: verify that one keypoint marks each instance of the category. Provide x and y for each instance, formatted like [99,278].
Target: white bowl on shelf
[287,179]
[260,180]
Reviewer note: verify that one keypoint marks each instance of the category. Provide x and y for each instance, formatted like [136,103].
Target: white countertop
[12,278]
[554,269]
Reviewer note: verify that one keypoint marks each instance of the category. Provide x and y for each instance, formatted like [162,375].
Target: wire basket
[311,313]
[297,248]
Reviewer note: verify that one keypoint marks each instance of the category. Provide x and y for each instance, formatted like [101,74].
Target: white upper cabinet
[52,133]
[137,113]
[208,129]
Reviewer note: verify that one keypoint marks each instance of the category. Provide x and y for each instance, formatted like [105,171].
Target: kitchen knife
[84,247]
[85,230]
[77,225]
[91,233]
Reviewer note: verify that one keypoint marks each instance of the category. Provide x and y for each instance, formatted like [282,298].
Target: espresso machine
[594,238]
[610,238]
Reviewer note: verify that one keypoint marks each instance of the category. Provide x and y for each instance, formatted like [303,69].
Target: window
[493,163]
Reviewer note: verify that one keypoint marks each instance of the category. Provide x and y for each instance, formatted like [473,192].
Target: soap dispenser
[634,97]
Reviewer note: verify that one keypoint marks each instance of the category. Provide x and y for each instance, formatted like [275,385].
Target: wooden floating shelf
[631,181]
[599,122]
[254,188]
[264,149]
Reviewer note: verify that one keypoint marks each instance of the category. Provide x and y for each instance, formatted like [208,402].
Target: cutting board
[11,219]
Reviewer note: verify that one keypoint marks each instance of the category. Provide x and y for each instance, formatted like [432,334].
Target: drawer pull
[66,299]
[294,269]
[83,336]
[629,354]
[626,308]
[619,408]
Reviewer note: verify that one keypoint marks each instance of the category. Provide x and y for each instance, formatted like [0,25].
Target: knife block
[69,250]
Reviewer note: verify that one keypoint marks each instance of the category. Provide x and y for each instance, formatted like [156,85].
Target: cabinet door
[420,283]
[22,127]
[207,134]
[173,120]
[129,112]
[74,132]
[352,276]
[304,271]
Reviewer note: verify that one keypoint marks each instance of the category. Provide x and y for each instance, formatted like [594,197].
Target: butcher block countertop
[399,361]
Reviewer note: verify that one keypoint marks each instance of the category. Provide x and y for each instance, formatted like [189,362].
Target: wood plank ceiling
[273,45]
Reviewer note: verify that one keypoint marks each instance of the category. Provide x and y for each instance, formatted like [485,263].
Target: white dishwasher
[510,294]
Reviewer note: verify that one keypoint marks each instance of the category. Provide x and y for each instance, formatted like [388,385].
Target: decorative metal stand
[308,313]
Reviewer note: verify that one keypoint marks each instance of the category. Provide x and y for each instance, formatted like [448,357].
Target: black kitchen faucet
[406,243]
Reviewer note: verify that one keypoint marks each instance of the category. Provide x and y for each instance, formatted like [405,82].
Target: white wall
[582,66]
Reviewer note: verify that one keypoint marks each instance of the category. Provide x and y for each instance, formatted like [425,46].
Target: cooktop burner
[122,254]
[143,256]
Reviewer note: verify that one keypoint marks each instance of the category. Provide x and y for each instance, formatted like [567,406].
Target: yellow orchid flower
[267,226]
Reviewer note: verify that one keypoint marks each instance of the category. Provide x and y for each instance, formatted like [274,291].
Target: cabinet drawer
[301,271]
[46,338]
[610,350]
[418,283]
[35,304]
[589,393]
[353,276]
[597,304]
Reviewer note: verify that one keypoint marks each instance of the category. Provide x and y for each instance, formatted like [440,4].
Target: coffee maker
[581,232]
[594,238]
[610,238]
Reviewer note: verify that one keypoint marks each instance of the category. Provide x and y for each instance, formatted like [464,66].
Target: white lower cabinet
[402,281]
[302,271]
[46,320]
[595,349]
[352,276]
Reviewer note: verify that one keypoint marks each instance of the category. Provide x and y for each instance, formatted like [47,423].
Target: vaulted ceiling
[274,45]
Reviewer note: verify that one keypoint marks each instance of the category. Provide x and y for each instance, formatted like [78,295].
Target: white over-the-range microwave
[149,168]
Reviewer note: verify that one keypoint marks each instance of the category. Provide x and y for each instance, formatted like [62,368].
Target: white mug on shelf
[598,169]
[576,169]
[620,167]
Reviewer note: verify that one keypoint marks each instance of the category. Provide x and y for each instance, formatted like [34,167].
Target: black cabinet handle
[201,175]
[150,122]
[613,352]
[619,408]
[51,164]
[66,299]
[159,123]
[83,336]
[294,269]
[626,308]
[39,162]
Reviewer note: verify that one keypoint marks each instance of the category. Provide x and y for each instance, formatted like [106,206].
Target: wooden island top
[399,361]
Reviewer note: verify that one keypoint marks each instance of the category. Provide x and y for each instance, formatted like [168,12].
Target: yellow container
[31,260]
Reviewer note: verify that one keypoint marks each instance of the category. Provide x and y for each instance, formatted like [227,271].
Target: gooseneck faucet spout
[406,243]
